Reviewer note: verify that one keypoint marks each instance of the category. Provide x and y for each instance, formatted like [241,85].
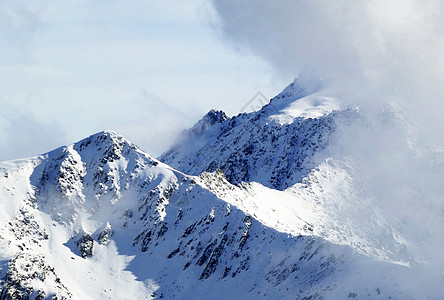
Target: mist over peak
[306,83]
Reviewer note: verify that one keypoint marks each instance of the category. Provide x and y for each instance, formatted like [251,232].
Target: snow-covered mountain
[245,207]
[275,146]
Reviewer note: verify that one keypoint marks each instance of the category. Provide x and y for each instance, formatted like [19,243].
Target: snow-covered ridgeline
[100,219]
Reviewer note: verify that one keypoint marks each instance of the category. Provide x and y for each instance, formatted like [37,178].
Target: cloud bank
[395,45]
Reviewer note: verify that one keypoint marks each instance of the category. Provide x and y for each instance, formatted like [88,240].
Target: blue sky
[146,69]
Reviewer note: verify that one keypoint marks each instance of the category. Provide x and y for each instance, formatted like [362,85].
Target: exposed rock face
[85,244]
[26,229]
[207,122]
[59,186]
[105,235]
[25,272]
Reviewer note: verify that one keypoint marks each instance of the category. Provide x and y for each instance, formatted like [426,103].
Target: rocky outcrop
[85,245]
[25,272]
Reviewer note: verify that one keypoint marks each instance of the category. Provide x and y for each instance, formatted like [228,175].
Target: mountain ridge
[101,219]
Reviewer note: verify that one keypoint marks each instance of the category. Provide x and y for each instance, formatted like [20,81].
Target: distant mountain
[245,207]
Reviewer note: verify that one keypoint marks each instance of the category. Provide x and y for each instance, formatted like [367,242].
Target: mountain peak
[105,135]
[213,116]
[207,121]
[305,84]
[216,116]
[106,139]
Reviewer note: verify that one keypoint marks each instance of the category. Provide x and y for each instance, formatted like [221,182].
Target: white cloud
[382,43]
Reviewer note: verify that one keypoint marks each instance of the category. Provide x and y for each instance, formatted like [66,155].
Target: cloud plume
[394,45]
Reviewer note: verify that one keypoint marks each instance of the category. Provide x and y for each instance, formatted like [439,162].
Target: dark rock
[85,245]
